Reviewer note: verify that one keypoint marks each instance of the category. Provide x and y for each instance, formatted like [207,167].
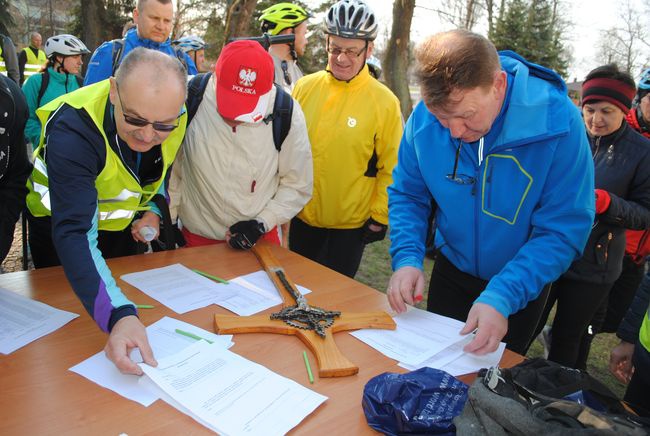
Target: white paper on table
[164,342]
[23,320]
[230,394]
[253,293]
[178,287]
[456,362]
[419,336]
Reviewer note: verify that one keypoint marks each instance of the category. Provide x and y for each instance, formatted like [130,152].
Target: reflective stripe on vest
[119,194]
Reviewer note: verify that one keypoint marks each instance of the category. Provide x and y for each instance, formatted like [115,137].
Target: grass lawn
[375,272]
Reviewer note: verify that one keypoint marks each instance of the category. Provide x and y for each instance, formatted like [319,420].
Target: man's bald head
[454,60]
[151,68]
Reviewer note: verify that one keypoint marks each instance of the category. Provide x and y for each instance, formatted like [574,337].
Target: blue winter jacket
[524,212]
[100,66]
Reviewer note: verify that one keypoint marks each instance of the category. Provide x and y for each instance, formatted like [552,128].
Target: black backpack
[118,48]
[45,80]
[280,117]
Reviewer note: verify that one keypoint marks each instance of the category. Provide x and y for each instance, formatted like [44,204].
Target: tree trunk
[397,54]
[238,16]
[93,17]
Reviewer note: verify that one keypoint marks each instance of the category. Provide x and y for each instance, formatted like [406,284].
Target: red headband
[610,90]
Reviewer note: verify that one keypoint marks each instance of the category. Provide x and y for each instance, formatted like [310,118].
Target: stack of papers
[164,341]
[229,394]
[23,320]
[426,339]
[183,290]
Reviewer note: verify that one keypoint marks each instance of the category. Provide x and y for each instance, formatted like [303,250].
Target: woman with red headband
[622,171]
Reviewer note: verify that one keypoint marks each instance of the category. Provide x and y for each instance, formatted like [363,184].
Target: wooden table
[38,395]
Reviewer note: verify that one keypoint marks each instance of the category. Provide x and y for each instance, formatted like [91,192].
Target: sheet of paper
[23,320]
[178,287]
[419,336]
[253,293]
[232,395]
[163,340]
[456,362]
[183,290]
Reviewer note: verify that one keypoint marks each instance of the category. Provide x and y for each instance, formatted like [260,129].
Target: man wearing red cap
[235,186]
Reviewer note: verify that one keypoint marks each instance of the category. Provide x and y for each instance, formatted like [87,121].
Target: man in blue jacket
[153,20]
[502,152]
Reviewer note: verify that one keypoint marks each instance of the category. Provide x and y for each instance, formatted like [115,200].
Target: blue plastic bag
[424,401]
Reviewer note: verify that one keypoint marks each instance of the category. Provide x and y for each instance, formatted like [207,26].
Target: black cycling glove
[244,234]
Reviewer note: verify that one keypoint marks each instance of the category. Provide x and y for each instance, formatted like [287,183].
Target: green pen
[215,278]
[144,306]
[309,373]
[192,335]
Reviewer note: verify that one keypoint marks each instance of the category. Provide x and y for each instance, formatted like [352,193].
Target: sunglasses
[139,122]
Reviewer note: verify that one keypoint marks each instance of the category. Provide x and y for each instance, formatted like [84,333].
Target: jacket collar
[357,81]
[133,38]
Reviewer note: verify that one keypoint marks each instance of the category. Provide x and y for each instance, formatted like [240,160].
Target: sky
[590,18]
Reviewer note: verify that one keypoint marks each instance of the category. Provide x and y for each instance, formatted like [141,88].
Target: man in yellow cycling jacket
[103,156]
[354,126]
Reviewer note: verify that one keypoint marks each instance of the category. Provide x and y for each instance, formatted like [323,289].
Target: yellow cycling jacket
[354,128]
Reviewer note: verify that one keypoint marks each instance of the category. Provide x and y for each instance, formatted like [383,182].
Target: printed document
[23,320]
[183,290]
[230,394]
[164,341]
[419,336]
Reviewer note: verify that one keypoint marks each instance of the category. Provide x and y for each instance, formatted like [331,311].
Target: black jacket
[628,330]
[622,168]
[14,165]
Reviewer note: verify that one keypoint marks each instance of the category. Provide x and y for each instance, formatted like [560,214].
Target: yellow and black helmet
[282,16]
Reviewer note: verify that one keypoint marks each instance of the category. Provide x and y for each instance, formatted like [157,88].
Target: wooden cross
[331,362]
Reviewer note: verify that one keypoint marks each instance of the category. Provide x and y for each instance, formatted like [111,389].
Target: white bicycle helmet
[351,19]
[374,65]
[65,45]
[190,43]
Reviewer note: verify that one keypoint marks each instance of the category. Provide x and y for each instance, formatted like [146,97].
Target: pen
[192,335]
[144,306]
[311,376]
[218,279]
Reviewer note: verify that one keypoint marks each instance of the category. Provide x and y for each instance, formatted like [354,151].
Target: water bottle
[148,233]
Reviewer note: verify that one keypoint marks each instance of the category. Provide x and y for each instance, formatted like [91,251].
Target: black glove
[370,236]
[244,234]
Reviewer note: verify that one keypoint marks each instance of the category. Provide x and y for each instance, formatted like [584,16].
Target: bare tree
[461,13]
[623,44]
[396,59]
[93,17]
[238,17]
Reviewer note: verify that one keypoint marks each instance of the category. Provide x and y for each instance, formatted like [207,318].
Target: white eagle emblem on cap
[247,77]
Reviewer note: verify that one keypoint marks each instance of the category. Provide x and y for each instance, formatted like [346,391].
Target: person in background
[99,178]
[153,19]
[14,165]
[374,66]
[354,125]
[630,360]
[31,58]
[60,75]
[621,158]
[286,19]
[232,181]
[497,150]
[195,48]
[8,59]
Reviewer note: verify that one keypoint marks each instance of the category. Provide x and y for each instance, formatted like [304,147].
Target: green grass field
[375,272]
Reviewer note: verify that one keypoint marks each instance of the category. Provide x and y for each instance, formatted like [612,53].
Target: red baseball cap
[244,74]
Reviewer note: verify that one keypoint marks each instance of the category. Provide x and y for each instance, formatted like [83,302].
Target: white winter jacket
[224,175]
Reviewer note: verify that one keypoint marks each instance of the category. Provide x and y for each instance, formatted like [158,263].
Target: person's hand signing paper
[491,325]
[127,334]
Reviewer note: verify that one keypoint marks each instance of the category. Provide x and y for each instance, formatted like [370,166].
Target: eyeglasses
[348,52]
[460,179]
[139,122]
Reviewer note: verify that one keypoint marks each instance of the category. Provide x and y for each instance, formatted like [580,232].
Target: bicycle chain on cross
[302,315]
